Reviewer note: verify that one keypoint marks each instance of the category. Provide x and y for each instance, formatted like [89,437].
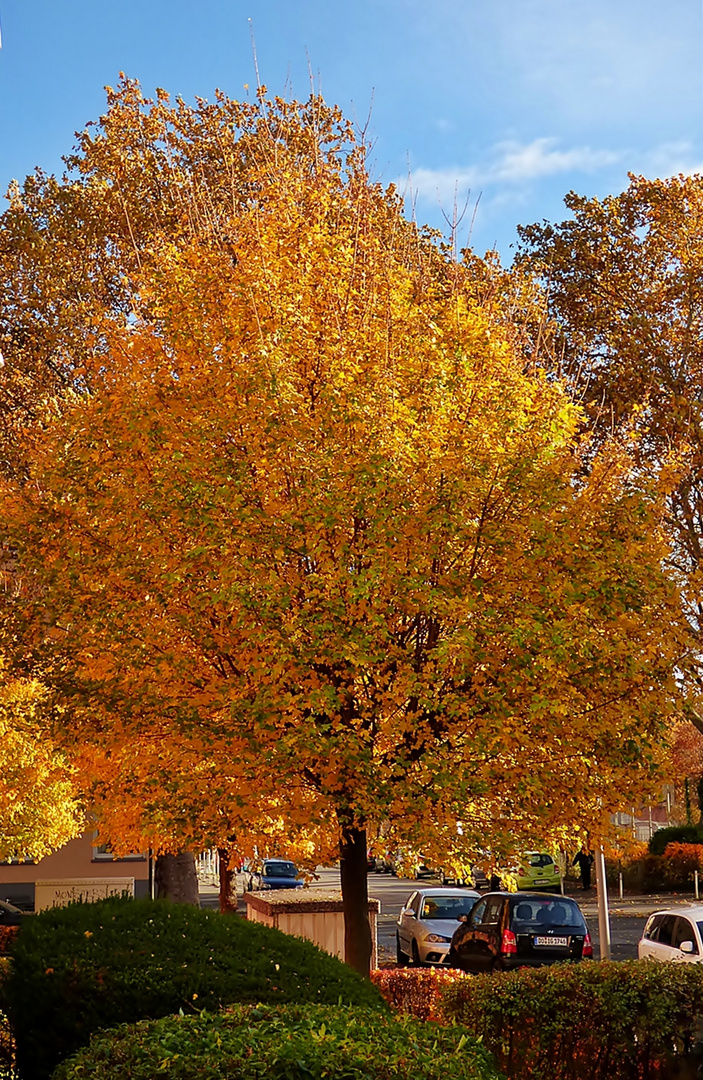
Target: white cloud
[510,163]
[541,158]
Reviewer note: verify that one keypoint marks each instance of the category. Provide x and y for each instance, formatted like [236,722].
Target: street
[627,917]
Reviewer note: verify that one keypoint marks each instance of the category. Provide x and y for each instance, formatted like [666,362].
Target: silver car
[427,922]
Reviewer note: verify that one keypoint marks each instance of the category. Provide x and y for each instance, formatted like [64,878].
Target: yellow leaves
[38,807]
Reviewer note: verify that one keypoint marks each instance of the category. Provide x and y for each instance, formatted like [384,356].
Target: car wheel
[401,958]
[416,954]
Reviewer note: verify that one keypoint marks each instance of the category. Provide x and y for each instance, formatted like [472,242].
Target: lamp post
[603,914]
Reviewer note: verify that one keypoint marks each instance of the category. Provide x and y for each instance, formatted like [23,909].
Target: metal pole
[603,916]
[695,883]
[620,876]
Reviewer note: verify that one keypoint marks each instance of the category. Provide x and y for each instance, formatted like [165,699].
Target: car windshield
[446,907]
[535,912]
[280,869]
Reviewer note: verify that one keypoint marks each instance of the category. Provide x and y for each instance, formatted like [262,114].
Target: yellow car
[537,870]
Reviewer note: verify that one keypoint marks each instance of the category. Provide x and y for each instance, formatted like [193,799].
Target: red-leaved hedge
[416,991]
[592,1021]
[7,936]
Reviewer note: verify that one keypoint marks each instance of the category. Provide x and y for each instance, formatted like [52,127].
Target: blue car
[276,874]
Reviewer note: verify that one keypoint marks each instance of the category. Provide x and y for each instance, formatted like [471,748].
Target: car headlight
[437,937]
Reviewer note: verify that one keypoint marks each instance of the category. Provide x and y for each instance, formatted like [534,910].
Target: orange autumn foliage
[316,546]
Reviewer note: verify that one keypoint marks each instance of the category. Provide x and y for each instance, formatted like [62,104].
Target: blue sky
[516,100]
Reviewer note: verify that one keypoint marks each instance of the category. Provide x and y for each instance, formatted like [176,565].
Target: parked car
[523,929]
[537,869]
[10,915]
[407,864]
[426,924]
[275,874]
[675,935]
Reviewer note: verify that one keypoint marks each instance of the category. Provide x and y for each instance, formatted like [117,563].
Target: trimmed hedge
[89,966]
[417,992]
[624,1021]
[653,873]
[292,1043]
[674,834]
[7,936]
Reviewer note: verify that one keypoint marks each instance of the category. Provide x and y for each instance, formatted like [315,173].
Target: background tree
[313,538]
[623,288]
[38,806]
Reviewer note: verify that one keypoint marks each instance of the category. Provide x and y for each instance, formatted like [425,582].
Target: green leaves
[291,1043]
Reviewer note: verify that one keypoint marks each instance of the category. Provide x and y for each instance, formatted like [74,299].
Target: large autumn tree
[312,545]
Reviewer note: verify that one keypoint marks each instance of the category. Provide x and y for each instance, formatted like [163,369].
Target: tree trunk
[355,900]
[176,879]
[228,895]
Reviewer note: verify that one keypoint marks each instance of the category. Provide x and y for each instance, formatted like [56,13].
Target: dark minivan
[509,930]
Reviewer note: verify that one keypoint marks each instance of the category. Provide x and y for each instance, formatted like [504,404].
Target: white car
[675,935]
[427,922]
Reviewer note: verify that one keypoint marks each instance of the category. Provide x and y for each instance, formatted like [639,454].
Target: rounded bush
[290,1043]
[674,834]
[91,966]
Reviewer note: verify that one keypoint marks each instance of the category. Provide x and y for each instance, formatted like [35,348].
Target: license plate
[541,881]
[551,941]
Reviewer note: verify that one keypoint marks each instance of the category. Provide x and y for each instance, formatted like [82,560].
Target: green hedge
[625,1021]
[292,1043]
[91,966]
[674,834]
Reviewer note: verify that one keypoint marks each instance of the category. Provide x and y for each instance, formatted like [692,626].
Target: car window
[476,916]
[446,907]
[541,860]
[534,912]
[494,906]
[280,868]
[415,902]
[683,931]
[666,929]
[651,930]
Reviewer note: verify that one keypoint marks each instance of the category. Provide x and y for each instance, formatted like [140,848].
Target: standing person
[584,861]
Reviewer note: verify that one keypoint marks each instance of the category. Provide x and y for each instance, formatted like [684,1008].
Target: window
[477,914]
[446,907]
[534,912]
[683,932]
[541,860]
[666,929]
[651,930]
[493,910]
[415,902]
[102,853]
